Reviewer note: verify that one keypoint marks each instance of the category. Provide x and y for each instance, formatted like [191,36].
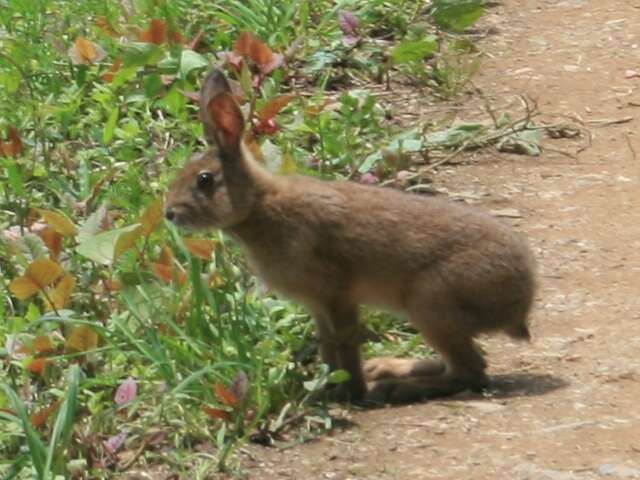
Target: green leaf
[454,136]
[92,224]
[140,54]
[407,142]
[339,376]
[101,247]
[191,60]
[110,126]
[456,15]
[15,177]
[152,86]
[525,142]
[173,102]
[414,51]
[11,80]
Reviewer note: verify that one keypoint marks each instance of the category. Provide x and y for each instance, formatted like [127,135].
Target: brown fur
[453,270]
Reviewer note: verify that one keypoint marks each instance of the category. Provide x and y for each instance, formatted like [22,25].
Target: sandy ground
[565,406]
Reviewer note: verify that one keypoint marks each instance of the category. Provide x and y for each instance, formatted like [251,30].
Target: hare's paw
[416,389]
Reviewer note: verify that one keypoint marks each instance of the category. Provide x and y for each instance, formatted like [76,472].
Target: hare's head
[216,188]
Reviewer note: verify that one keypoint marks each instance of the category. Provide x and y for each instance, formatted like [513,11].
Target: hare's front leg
[340,340]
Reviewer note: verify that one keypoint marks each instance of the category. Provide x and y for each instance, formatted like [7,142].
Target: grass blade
[63,427]
[37,449]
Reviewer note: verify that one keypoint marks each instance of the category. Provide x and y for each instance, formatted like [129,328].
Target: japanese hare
[453,270]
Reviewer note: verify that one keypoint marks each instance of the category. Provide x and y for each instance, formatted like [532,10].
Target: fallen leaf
[86,52]
[82,339]
[126,392]
[40,274]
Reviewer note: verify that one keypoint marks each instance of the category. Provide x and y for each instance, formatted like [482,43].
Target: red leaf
[169,273]
[38,366]
[176,37]
[226,396]
[250,46]
[110,74]
[14,147]
[273,107]
[217,413]
[200,247]
[39,418]
[156,33]
[53,241]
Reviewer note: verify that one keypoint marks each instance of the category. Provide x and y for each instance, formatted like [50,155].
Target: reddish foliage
[226,396]
[14,147]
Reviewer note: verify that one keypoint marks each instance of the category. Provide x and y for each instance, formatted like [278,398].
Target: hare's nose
[170,214]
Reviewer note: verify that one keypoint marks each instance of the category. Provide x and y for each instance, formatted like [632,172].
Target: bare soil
[565,406]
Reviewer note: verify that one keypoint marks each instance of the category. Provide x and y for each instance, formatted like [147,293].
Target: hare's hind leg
[462,366]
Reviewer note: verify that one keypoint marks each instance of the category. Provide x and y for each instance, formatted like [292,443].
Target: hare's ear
[221,116]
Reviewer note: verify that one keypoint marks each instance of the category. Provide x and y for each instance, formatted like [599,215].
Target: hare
[453,270]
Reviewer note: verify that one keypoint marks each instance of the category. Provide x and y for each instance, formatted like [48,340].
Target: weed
[122,337]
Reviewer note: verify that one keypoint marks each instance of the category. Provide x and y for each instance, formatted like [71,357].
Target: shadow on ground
[524,385]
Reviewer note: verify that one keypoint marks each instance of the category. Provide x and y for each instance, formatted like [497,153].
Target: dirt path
[567,406]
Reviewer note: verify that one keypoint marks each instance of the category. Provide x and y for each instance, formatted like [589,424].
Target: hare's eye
[205,181]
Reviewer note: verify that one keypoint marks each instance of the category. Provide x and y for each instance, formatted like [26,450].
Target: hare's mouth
[183,222]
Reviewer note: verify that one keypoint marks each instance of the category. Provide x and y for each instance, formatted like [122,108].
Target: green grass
[97,153]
